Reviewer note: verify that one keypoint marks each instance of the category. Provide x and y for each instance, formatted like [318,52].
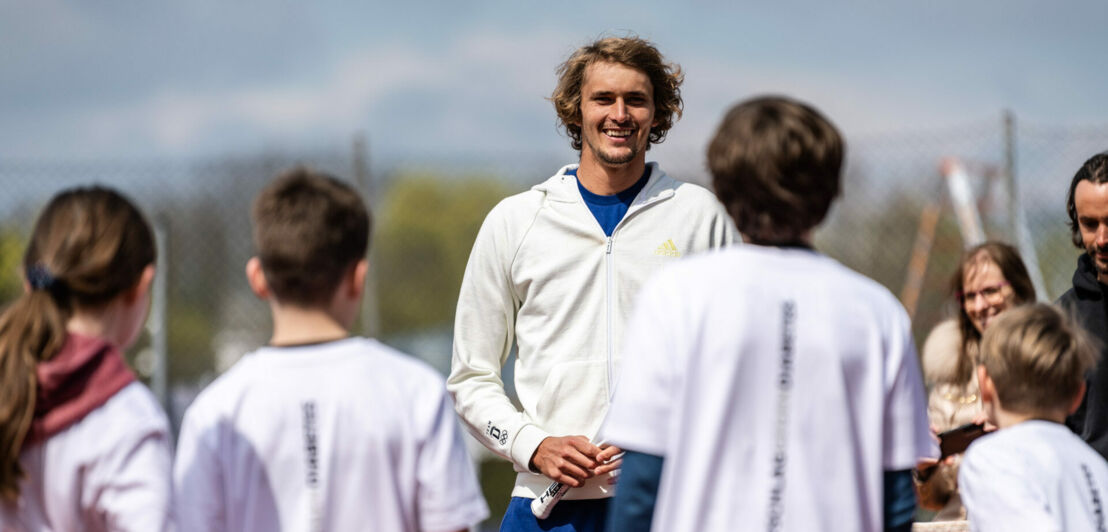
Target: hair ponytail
[31,329]
[87,247]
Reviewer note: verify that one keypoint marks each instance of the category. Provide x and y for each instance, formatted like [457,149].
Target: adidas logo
[667,249]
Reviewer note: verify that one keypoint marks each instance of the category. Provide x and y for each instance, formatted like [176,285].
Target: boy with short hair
[772,388]
[319,430]
[1033,473]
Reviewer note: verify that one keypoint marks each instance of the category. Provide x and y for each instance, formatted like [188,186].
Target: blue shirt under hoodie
[609,210]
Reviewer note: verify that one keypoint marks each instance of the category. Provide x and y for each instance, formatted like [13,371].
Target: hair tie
[40,278]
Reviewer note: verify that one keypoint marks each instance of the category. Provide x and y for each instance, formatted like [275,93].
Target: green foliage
[1057,257]
[11,253]
[190,343]
[200,276]
[497,480]
[884,252]
[890,229]
[426,229]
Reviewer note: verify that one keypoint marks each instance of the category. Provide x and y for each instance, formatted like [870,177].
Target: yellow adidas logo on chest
[668,249]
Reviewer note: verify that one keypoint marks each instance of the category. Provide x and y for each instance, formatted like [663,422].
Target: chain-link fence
[897,218]
[894,223]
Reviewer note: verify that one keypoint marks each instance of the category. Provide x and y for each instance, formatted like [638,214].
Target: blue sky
[122,80]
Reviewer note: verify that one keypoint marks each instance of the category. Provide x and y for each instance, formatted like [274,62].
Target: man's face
[617,112]
[1091,201]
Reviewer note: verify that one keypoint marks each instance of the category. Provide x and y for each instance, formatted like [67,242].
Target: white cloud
[489,71]
[471,81]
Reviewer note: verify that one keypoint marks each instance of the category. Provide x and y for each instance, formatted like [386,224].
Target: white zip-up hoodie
[543,274]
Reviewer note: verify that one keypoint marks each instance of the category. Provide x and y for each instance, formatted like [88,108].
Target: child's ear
[1077,399]
[256,278]
[985,385]
[355,285]
[141,287]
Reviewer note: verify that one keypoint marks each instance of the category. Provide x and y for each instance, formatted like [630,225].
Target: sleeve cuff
[524,445]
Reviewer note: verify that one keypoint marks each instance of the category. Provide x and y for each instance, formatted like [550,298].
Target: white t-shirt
[1035,475]
[108,471]
[778,385]
[344,435]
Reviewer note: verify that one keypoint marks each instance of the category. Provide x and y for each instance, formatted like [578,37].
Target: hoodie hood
[1084,279]
[940,354]
[78,379]
[563,187]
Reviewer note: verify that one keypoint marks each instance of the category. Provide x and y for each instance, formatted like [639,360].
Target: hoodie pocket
[574,398]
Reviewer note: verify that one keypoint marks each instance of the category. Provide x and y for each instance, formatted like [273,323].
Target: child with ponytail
[83,445]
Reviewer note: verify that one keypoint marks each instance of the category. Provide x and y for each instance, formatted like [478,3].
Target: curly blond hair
[631,51]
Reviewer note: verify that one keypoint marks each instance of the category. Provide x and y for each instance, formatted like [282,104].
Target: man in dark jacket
[1087,206]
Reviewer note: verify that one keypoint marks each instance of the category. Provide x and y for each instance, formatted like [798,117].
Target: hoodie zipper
[609,297]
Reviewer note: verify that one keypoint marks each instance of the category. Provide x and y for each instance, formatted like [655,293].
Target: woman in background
[83,446]
[990,279]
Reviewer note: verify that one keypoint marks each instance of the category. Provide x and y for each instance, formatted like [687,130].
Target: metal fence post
[1010,174]
[158,321]
[363,180]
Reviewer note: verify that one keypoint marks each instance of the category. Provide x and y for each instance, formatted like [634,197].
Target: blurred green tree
[425,230]
[11,254]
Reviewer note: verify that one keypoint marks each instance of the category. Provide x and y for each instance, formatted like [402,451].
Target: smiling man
[555,271]
[1087,206]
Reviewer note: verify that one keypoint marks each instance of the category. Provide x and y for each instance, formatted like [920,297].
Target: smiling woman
[990,279]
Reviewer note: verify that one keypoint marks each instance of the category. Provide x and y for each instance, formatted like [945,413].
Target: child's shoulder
[136,402]
[132,413]
[1035,446]
[398,364]
[359,362]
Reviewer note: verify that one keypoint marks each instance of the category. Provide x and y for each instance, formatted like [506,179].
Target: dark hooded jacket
[1086,302]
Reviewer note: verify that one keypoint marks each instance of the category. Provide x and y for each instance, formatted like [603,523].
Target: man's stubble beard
[604,158]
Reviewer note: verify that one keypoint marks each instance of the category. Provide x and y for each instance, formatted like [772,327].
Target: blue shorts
[568,516]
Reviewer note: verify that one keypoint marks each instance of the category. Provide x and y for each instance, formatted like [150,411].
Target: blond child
[1033,473]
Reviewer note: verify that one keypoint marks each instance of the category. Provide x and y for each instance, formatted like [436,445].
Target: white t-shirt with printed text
[108,471]
[1035,475]
[344,435]
[778,385]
